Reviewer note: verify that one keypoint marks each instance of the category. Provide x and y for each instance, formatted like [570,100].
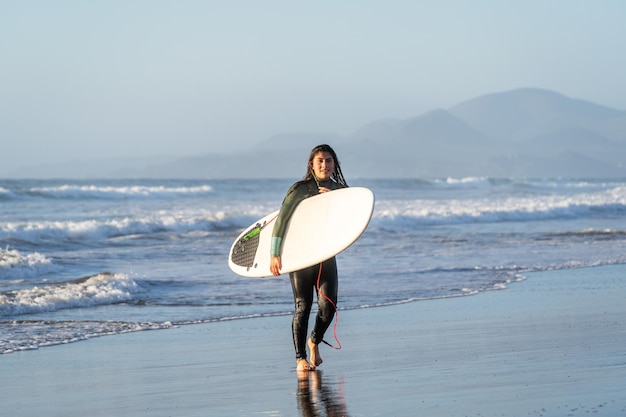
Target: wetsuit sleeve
[294,196]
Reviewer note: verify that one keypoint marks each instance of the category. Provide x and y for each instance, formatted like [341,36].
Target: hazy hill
[434,144]
[525,133]
[519,115]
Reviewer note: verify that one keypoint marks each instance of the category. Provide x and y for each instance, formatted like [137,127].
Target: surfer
[323,174]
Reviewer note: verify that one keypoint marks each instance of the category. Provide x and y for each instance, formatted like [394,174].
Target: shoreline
[549,345]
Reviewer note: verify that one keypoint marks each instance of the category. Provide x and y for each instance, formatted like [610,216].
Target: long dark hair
[336,176]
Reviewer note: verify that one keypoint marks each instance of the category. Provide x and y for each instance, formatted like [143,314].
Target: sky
[83,80]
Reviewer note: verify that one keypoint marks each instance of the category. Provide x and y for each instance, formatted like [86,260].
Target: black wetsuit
[305,281]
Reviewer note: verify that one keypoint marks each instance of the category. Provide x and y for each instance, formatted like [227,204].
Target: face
[323,165]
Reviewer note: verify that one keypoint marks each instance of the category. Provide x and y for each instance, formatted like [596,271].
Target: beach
[551,345]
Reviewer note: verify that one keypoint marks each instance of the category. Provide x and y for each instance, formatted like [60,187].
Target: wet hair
[336,176]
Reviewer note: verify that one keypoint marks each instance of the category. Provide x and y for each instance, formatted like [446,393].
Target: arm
[295,195]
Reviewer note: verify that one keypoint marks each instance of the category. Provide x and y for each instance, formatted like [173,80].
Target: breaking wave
[100,289]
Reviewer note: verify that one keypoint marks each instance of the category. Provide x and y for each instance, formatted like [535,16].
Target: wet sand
[553,345]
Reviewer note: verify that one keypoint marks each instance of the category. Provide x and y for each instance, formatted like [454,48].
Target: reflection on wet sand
[317,397]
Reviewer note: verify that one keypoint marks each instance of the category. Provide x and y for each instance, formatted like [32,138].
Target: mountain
[522,114]
[525,132]
[436,129]
[434,144]
[577,140]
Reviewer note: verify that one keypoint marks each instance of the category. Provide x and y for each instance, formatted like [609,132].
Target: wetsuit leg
[326,309]
[303,300]
[303,284]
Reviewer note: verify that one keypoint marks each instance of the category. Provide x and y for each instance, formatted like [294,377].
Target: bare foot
[304,365]
[315,353]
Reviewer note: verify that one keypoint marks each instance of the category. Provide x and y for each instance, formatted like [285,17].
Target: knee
[326,310]
[302,307]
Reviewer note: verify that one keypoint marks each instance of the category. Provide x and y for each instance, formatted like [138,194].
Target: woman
[323,174]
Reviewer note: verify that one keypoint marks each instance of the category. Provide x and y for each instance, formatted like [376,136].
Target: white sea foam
[390,213]
[34,334]
[506,209]
[156,222]
[101,289]
[95,191]
[467,180]
[14,264]
[535,183]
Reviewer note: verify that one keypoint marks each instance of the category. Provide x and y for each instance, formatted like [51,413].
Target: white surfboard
[320,227]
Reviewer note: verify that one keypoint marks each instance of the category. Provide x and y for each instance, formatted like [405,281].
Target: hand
[323,190]
[276,265]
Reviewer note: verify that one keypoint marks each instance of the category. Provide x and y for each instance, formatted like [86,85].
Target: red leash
[319,291]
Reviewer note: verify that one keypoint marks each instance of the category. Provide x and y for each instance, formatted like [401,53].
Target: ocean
[82,259]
